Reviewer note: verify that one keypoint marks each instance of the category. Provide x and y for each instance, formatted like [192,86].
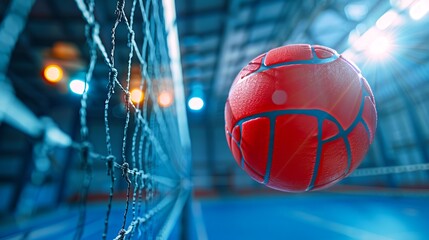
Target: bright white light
[196,103]
[366,39]
[419,9]
[387,19]
[78,86]
[375,43]
[380,47]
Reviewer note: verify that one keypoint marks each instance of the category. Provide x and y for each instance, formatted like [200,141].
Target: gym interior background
[54,182]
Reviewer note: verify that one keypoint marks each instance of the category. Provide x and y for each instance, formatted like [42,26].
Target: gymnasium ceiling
[217,38]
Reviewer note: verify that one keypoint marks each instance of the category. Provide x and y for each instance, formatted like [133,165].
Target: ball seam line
[365,125]
[239,146]
[352,126]
[314,60]
[318,153]
[270,150]
[243,160]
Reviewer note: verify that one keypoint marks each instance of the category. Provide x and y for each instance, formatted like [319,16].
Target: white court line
[199,221]
[352,232]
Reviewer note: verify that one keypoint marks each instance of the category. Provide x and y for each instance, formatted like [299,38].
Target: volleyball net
[156,166]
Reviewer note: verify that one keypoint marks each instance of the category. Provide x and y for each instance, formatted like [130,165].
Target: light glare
[136,95]
[380,47]
[196,103]
[375,43]
[78,86]
[386,20]
[165,99]
[53,73]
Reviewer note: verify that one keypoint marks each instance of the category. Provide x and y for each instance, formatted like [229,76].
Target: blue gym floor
[324,216]
[308,216]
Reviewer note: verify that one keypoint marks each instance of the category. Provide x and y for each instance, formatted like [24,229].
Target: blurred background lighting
[361,43]
[387,19]
[400,4]
[196,103]
[53,73]
[78,86]
[419,9]
[137,95]
[356,11]
[165,99]
[65,50]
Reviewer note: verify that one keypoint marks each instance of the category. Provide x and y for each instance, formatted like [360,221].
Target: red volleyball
[300,118]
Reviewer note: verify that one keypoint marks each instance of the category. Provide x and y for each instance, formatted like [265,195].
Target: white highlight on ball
[279,97]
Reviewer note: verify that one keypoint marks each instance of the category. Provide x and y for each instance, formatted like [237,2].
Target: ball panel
[252,67]
[350,63]
[294,153]
[323,52]
[236,135]
[252,96]
[228,137]
[288,54]
[255,141]
[342,88]
[329,184]
[230,120]
[253,173]
[329,129]
[368,89]
[333,163]
[359,144]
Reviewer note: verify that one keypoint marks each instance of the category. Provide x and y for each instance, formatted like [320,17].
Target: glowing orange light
[53,73]
[165,99]
[65,50]
[137,95]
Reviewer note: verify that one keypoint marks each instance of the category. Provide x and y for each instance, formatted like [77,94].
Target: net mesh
[153,163]
[155,166]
